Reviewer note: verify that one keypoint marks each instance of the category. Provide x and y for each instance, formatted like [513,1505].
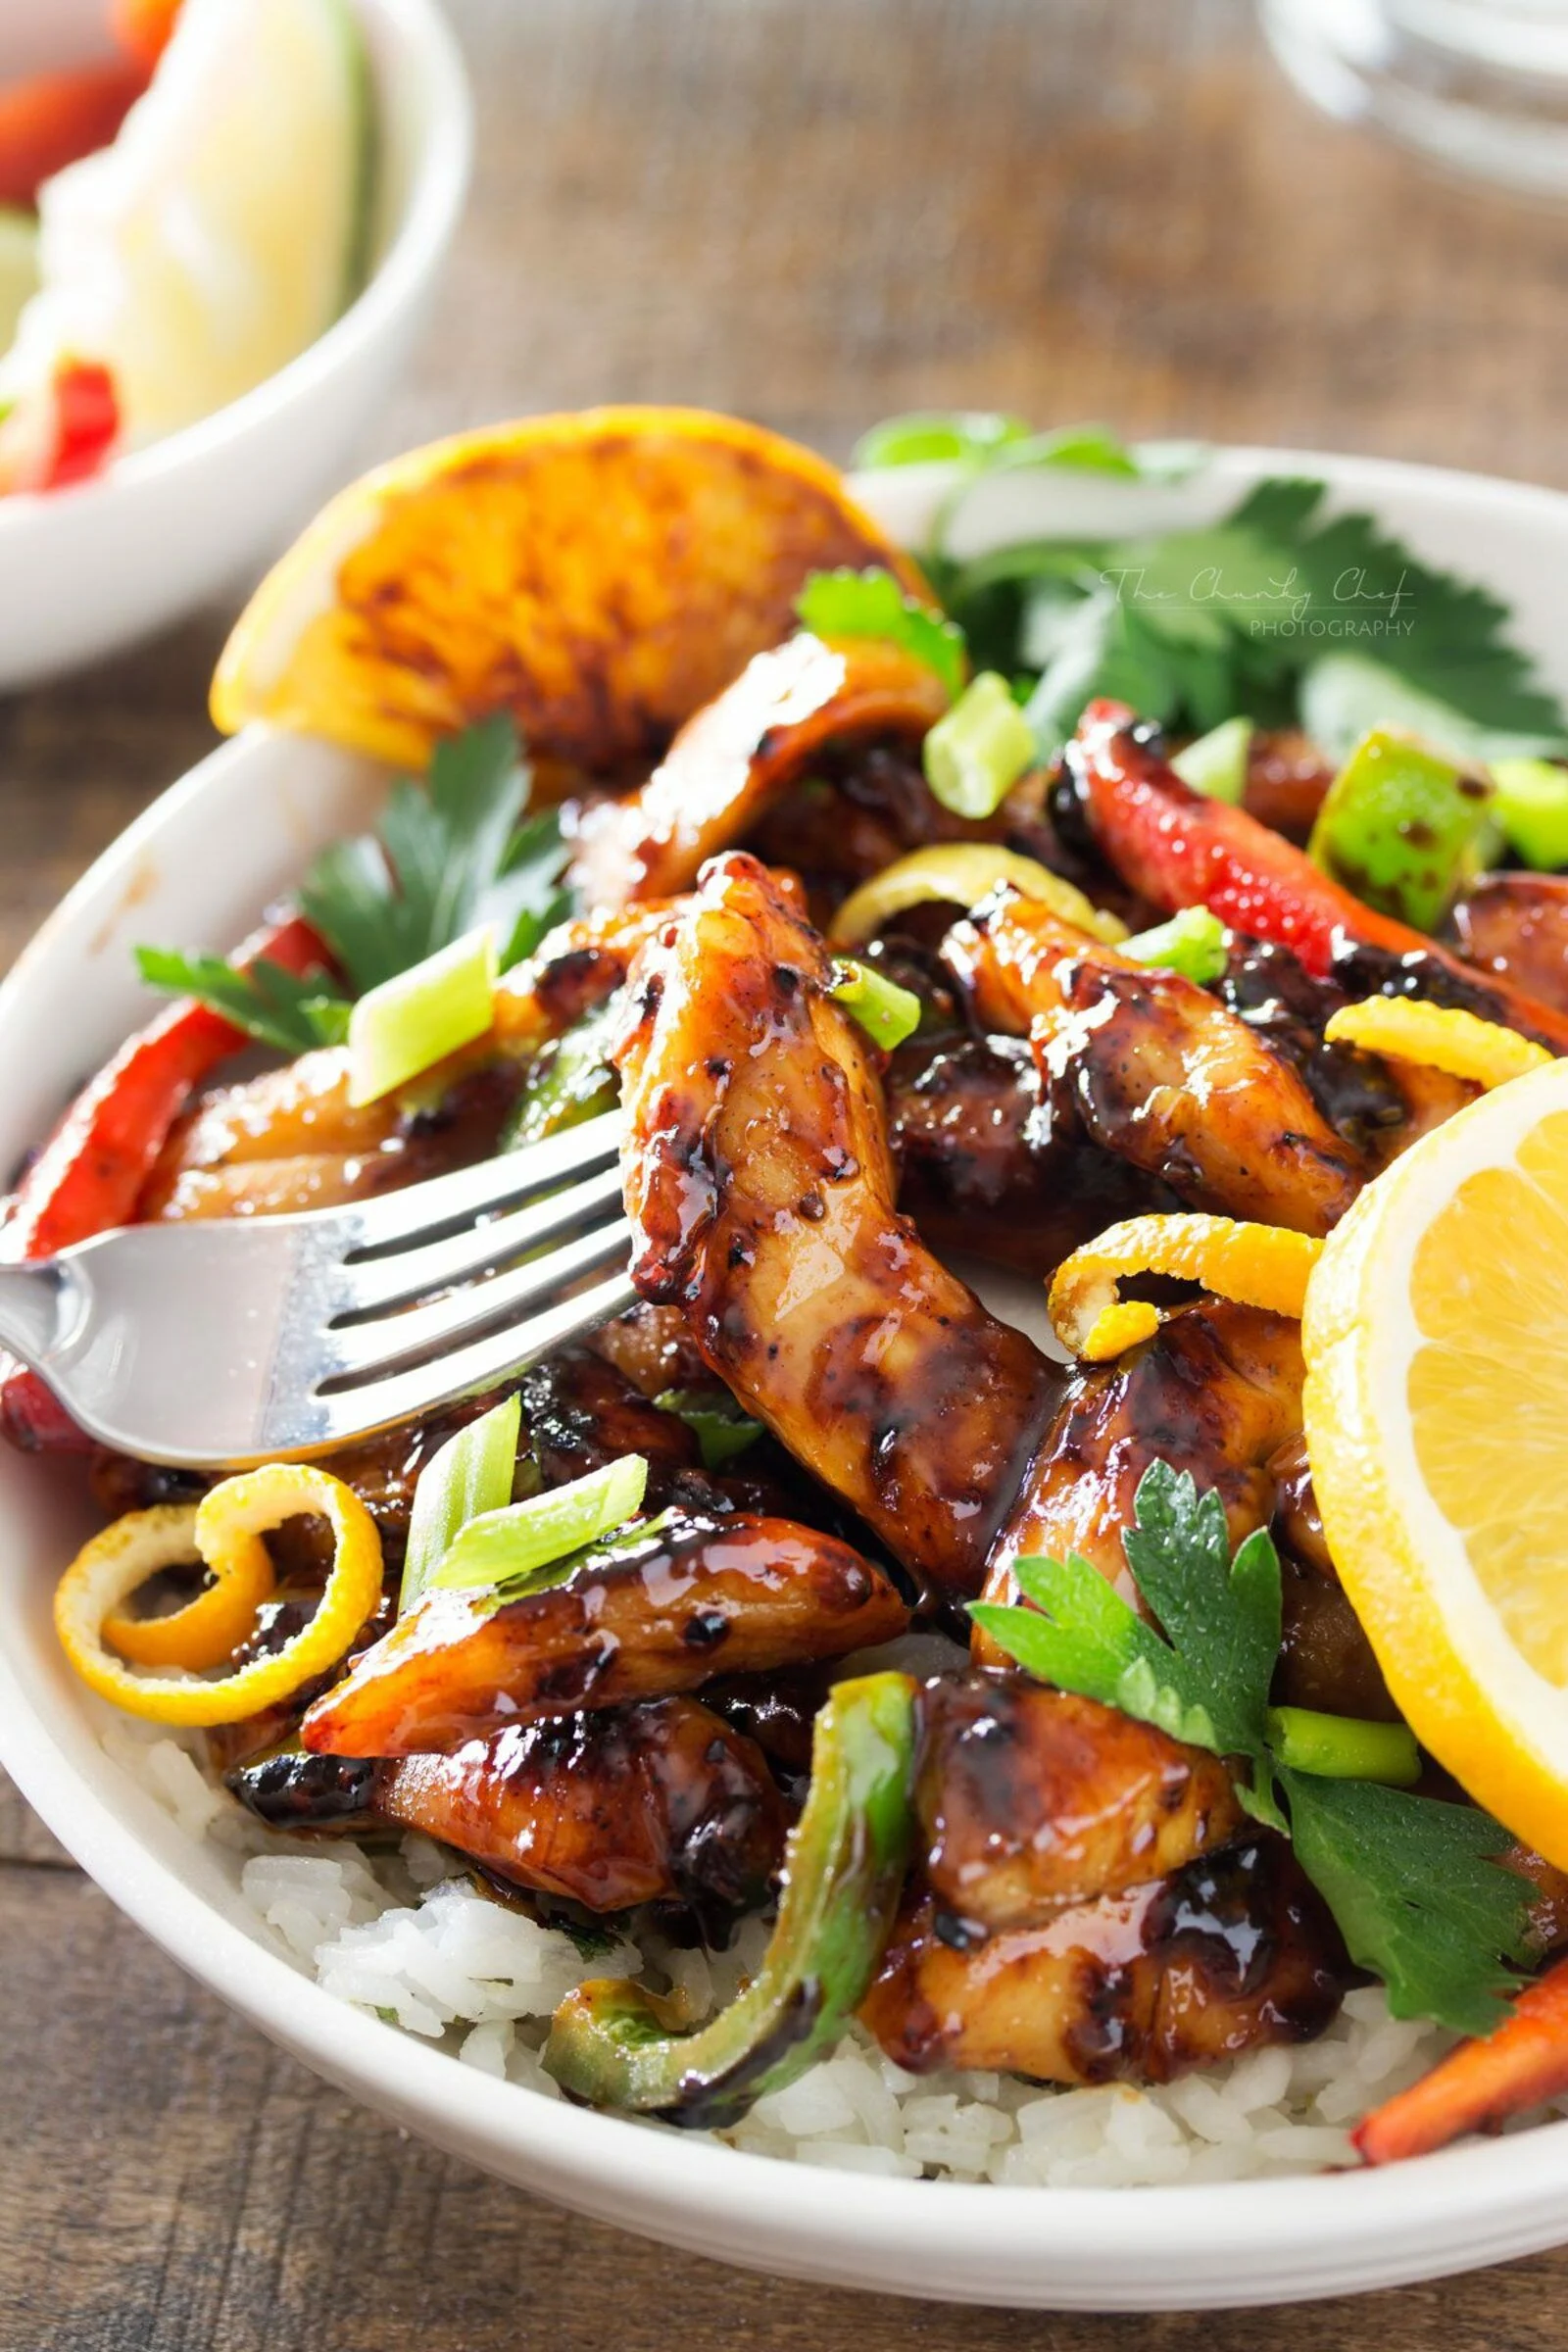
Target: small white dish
[198,868]
[87,570]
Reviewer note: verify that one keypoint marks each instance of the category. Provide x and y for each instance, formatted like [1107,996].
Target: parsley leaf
[1413,1885]
[1208,1682]
[1273,611]
[1417,1895]
[270,1004]
[449,856]
[871,603]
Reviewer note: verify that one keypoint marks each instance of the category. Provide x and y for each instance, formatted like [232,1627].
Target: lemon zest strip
[1443,1036]
[963,872]
[1256,1265]
[225,1531]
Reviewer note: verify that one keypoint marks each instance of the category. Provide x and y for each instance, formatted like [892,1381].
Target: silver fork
[244,1340]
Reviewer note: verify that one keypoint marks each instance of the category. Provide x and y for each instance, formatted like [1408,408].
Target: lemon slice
[18,266]
[1435,1336]
[601,575]
[220,232]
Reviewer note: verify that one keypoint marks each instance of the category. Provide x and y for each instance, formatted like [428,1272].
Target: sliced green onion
[871,603]
[1216,764]
[716,1420]
[887,1013]
[524,1536]
[421,1015]
[1532,809]
[1398,826]
[1192,942]
[469,1477]
[1342,1748]
[974,755]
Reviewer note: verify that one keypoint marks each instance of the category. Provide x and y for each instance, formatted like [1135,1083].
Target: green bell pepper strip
[611,2043]
[1399,825]
[573,1079]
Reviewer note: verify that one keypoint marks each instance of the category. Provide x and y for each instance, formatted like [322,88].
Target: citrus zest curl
[1256,1265]
[1443,1036]
[963,872]
[225,1531]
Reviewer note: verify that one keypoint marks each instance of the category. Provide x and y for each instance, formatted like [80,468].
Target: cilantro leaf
[1208,1682]
[1417,1893]
[270,1004]
[871,603]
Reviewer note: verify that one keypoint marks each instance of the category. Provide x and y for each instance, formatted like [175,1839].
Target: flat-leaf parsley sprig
[1413,1883]
[450,854]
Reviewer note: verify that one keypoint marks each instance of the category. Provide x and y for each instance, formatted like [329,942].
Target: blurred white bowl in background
[87,570]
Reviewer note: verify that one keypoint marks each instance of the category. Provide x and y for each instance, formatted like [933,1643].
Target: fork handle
[35,1310]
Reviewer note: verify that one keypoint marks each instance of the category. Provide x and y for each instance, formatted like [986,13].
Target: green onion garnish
[1532,809]
[1192,942]
[974,755]
[887,1013]
[419,1017]
[1216,764]
[716,1421]
[1342,1748]
[524,1536]
[469,1477]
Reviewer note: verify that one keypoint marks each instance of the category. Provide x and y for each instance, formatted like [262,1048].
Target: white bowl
[86,570]
[198,867]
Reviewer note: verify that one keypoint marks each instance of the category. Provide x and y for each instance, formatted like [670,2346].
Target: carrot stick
[1479,2085]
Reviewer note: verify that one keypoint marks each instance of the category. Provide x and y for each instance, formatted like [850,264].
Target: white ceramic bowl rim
[428,215]
[1164,2248]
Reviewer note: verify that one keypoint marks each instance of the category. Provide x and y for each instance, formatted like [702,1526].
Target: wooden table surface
[813,212]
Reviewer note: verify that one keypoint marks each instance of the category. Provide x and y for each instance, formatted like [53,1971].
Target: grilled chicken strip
[983,1168]
[760,1189]
[740,752]
[1515,927]
[1233,1951]
[1218,1390]
[662,1801]
[1156,1069]
[663,1610]
[1030,1799]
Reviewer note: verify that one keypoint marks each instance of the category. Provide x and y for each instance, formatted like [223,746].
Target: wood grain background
[813,212]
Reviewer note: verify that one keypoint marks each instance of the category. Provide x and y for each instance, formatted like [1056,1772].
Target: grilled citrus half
[599,576]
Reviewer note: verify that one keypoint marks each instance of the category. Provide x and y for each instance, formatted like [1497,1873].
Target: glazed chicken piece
[639,1805]
[1156,1069]
[760,1189]
[740,752]
[653,1347]
[1515,926]
[982,1167]
[580,1413]
[661,1610]
[1235,1951]
[1218,1390]
[1029,1799]
[1326,1660]
[662,1801]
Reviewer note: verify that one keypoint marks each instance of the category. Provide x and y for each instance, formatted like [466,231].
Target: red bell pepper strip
[89,1175]
[86,422]
[1177,848]
[1479,2085]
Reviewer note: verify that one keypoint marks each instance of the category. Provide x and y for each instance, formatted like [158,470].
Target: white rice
[404,1934]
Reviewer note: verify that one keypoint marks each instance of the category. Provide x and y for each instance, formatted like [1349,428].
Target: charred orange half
[599,576]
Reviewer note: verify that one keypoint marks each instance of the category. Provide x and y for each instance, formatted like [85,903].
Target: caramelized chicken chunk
[639,1805]
[664,1610]
[760,1193]
[1233,1951]
[1156,1069]
[1031,1799]
[1516,927]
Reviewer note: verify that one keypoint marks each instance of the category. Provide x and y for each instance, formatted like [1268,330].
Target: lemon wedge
[1436,1338]
[220,232]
